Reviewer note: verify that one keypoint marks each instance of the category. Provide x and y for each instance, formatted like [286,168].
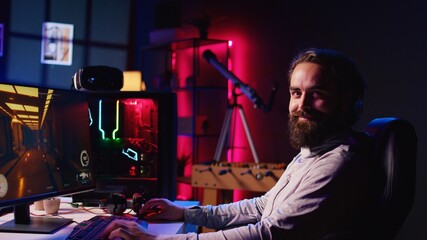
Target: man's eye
[317,94]
[295,93]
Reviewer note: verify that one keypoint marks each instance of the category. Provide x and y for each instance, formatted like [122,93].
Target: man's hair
[342,70]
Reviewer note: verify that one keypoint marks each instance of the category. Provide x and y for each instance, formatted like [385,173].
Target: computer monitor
[45,151]
[134,137]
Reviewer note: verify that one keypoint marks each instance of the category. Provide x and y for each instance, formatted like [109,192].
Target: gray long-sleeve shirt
[323,190]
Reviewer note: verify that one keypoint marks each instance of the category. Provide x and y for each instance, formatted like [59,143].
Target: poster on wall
[1,38]
[57,43]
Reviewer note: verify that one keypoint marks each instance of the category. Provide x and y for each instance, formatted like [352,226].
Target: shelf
[199,135]
[197,88]
[183,44]
[202,93]
[186,180]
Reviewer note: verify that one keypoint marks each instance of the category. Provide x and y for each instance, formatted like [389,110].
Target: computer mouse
[149,212]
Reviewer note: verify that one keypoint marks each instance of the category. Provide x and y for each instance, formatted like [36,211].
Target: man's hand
[162,209]
[127,230]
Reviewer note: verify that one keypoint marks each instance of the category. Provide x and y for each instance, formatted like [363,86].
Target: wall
[101,29]
[385,38]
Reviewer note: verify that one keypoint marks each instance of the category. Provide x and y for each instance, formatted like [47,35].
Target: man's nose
[305,102]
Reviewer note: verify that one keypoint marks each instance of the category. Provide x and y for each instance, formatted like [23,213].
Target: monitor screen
[45,147]
[134,144]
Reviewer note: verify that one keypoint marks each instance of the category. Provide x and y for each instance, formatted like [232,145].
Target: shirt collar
[327,145]
[305,152]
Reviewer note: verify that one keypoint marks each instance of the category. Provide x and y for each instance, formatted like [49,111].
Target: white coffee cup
[51,205]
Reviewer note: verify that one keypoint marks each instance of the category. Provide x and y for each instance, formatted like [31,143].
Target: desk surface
[79,215]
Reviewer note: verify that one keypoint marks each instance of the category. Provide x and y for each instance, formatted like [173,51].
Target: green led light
[100,120]
[117,120]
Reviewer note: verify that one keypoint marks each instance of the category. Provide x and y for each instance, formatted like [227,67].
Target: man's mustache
[302,113]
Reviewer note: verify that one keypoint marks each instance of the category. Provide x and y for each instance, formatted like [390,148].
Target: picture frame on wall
[57,43]
[1,38]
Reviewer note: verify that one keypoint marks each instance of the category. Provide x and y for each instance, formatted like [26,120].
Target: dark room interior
[256,41]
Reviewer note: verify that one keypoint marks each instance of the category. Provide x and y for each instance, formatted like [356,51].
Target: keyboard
[92,228]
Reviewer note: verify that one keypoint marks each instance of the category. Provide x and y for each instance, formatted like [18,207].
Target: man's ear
[358,106]
[351,107]
[347,102]
[350,103]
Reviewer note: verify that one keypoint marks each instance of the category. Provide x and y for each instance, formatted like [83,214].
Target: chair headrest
[395,150]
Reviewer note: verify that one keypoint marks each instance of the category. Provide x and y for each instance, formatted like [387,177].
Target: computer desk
[79,215]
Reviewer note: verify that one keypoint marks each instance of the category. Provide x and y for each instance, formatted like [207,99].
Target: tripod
[226,128]
[246,90]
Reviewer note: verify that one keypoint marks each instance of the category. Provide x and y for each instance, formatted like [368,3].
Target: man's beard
[308,133]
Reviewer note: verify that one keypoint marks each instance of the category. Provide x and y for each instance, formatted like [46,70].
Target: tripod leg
[224,130]
[248,135]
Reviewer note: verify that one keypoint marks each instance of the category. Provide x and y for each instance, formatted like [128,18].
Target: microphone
[211,58]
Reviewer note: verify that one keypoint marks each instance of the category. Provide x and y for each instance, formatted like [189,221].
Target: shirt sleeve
[227,215]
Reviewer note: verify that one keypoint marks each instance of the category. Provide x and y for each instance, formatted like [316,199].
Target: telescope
[211,58]
[248,92]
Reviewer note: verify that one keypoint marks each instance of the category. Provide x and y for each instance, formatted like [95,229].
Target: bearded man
[324,193]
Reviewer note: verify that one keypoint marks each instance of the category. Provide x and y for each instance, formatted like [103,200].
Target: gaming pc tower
[134,144]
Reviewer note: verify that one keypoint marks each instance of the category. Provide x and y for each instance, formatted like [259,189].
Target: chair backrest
[396,151]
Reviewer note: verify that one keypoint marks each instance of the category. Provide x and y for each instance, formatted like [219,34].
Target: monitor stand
[23,223]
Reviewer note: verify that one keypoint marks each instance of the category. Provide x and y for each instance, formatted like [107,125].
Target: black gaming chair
[396,151]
